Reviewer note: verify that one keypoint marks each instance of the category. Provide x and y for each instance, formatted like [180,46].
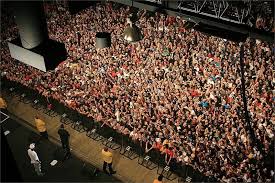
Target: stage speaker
[103,39]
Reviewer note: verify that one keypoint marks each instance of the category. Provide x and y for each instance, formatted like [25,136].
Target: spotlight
[132,33]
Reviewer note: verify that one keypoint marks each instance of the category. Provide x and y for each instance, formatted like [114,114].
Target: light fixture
[103,39]
[132,33]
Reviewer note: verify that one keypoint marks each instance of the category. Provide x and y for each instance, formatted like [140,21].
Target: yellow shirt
[40,125]
[107,156]
[157,181]
[250,156]
[166,142]
[3,104]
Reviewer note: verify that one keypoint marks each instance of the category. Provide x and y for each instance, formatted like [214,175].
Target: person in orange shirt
[3,104]
[41,127]
[159,179]
[107,157]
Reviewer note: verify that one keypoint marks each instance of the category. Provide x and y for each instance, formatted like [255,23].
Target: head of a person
[62,126]
[106,149]
[36,117]
[160,177]
[32,146]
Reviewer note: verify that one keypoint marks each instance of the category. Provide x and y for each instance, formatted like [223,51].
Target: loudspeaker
[103,39]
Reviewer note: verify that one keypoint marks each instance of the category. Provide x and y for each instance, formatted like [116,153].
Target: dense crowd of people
[177,90]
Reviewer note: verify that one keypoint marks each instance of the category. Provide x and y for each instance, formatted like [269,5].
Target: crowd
[177,90]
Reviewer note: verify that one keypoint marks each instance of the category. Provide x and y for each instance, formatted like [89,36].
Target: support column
[30,20]
[249,128]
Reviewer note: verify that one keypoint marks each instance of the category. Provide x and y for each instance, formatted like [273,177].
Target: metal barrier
[128,150]
[24,99]
[167,170]
[37,105]
[78,126]
[65,119]
[111,139]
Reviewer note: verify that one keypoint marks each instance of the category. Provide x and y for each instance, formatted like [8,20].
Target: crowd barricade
[109,137]
[128,150]
[150,159]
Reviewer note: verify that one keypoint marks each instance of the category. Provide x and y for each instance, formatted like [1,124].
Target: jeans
[109,165]
[37,168]
[66,147]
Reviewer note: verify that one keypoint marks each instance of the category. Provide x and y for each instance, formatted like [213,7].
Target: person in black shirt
[64,137]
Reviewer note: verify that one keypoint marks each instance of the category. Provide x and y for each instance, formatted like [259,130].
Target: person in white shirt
[35,160]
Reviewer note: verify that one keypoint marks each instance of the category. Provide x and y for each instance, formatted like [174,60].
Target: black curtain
[76,6]
[9,168]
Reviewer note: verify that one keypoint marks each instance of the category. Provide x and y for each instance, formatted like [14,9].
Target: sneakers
[111,173]
[105,171]
[41,174]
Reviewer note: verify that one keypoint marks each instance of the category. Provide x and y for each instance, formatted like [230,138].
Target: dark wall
[76,6]
[9,169]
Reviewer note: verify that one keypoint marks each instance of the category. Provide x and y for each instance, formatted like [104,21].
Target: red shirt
[210,55]
[216,59]
[170,152]
[113,74]
[194,93]
[77,85]
[181,29]
[50,106]
[259,104]
[27,78]
[138,61]
[125,67]
[229,100]
[158,145]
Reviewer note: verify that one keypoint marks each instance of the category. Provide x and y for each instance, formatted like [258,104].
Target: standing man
[3,104]
[78,37]
[35,160]
[41,127]
[64,137]
[107,157]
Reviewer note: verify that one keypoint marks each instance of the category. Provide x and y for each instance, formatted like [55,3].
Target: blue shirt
[226,106]
[213,78]
[204,104]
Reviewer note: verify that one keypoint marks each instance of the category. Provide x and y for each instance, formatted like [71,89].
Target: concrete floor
[83,147]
